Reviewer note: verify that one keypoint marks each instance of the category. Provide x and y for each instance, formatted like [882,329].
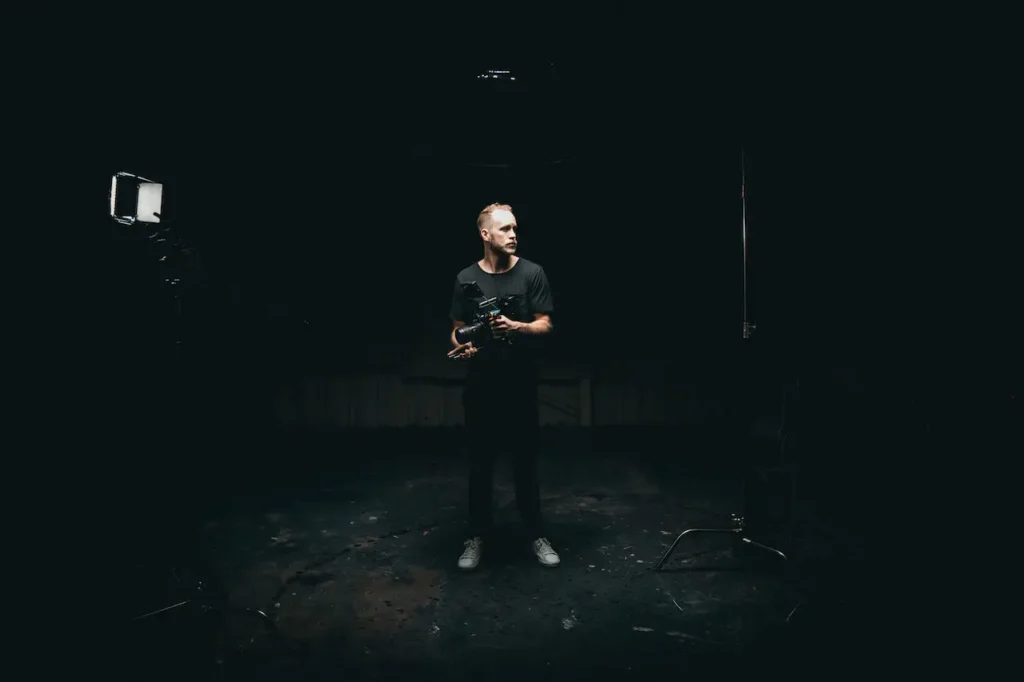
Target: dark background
[323,174]
[326,172]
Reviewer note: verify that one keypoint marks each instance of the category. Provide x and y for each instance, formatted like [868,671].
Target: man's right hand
[463,351]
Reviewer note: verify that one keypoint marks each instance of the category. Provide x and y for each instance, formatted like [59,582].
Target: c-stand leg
[738,528]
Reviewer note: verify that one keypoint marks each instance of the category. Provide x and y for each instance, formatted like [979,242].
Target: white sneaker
[471,555]
[545,552]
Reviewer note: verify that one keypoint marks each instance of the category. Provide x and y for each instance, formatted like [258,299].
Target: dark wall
[330,188]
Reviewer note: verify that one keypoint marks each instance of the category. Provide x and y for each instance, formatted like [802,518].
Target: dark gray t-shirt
[525,279]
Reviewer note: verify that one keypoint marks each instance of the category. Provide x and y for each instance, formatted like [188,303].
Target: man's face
[500,232]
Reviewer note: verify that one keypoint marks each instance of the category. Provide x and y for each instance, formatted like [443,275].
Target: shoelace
[471,546]
[544,546]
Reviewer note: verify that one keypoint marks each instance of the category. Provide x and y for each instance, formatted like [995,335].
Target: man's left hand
[502,324]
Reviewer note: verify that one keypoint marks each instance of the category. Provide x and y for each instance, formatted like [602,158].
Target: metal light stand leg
[205,607]
[738,528]
[738,525]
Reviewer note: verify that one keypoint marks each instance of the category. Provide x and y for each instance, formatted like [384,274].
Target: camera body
[479,331]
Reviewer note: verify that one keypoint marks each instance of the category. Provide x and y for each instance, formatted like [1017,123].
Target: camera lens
[471,332]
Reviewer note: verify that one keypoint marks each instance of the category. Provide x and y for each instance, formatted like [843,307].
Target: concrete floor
[357,570]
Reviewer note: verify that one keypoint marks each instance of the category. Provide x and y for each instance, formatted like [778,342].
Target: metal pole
[748,326]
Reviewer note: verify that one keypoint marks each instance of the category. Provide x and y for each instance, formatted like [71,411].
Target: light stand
[748,326]
[138,202]
[738,526]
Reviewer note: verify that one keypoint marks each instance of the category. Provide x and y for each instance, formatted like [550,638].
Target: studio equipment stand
[180,582]
[738,525]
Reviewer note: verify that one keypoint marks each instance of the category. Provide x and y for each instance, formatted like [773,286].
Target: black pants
[502,422]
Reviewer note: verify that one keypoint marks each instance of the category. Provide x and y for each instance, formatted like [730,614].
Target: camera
[479,331]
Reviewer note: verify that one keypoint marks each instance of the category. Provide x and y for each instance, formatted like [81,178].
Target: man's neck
[497,263]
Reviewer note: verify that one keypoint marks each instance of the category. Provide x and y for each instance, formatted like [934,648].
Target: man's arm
[541,325]
[460,351]
[542,302]
[458,323]
[458,311]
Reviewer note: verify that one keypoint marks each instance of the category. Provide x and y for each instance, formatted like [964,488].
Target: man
[500,397]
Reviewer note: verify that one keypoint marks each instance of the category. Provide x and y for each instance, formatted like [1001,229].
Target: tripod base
[207,608]
[737,528]
[202,602]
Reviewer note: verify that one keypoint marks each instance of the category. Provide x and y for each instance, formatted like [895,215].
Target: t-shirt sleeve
[541,300]
[458,312]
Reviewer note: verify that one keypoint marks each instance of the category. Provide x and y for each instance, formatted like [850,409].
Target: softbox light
[135,199]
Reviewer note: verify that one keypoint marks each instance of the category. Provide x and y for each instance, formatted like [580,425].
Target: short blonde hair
[481,220]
